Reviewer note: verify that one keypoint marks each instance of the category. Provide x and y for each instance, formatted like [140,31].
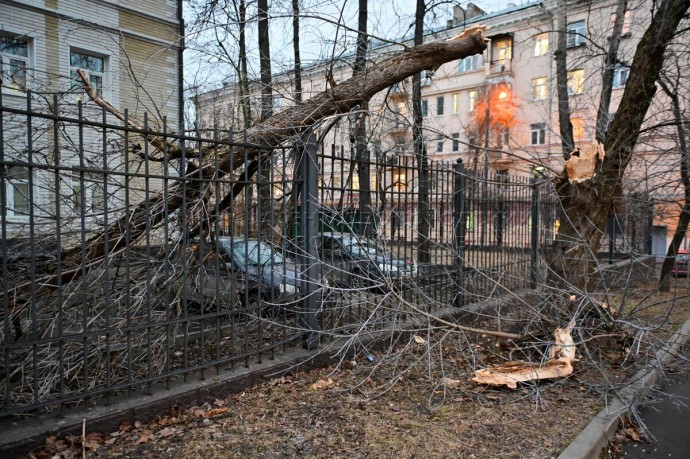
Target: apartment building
[131,52]
[498,111]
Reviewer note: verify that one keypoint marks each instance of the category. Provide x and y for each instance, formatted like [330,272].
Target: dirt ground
[414,400]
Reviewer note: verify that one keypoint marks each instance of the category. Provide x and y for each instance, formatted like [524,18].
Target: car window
[254,253]
[683,258]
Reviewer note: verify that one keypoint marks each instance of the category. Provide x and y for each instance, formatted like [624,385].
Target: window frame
[27,61]
[540,130]
[543,92]
[440,105]
[104,75]
[469,64]
[572,78]
[541,44]
[14,183]
[577,31]
[455,145]
[616,83]
[439,145]
[456,102]
[472,97]
[425,108]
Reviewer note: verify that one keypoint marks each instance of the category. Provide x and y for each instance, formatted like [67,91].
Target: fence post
[459,231]
[534,270]
[309,223]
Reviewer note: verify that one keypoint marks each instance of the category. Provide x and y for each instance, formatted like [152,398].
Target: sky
[320,38]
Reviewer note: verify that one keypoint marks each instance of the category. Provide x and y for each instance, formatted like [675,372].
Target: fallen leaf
[216,412]
[93,441]
[321,384]
[167,432]
[451,383]
[419,340]
[493,398]
[219,402]
[124,426]
[632,434]
[144,438]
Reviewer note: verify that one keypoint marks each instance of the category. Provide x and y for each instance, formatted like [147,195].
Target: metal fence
[133,257]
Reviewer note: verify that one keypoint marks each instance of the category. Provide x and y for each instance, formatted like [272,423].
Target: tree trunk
[295,47]
[564,124]
[244,77]
[609,71]
[587,205]
[684,219]
[424,252]
[265,61]
[360,127]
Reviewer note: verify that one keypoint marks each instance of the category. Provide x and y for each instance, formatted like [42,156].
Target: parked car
[680,266]
[249,268]
[352,260]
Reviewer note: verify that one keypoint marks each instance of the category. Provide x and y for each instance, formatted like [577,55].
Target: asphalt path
[667,417]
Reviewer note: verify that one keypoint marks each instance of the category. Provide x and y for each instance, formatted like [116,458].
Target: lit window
[92,65]
[399,182]
[620,76]
[456,103]
[538,132]
[425,108]
[576,80]
[541,44]
[456,142]
[17,189]
[504,50]
[440,105]
[578,129]
[576,34]
[472,99]
[373,182]
[355,182]
[14,62]
[540,88]
[627,20]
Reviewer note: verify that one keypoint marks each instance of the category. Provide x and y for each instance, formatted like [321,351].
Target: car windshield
[254,253]
[683,258]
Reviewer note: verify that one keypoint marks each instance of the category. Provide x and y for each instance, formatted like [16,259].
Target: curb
[601,430]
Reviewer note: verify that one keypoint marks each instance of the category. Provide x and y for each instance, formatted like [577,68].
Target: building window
[576,34]
[440,105]
[541,44]
[94,67]
[277,102]
[627,20]
[456,142]
[576,80]
[469,64]
[456,103]
[538,131]
[14,62]
[355,182]
[425,108]
[540,88]
[472,99]
[504,50]
[399,182]
[620,76]
[427,78]
[578,129]
[439,146]
[17,189]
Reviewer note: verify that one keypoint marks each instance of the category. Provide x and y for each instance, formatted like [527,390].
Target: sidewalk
[667,418]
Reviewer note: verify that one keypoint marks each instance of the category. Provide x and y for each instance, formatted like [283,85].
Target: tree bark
[564,124]
[244,77]
[684,219]
[587,205]
[423,243]
[609,71]
[295,47]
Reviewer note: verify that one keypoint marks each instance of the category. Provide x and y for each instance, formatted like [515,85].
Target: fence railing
[126,266]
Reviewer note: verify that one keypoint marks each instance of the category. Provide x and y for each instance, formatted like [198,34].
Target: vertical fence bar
[459,230]
[309,222]
[534,245]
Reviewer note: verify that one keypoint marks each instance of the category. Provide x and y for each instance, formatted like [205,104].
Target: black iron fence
[134,257]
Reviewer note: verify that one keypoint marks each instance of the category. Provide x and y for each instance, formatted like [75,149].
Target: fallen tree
[259,140]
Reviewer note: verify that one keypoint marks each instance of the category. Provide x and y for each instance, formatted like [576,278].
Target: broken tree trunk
[559,364]
[261,138]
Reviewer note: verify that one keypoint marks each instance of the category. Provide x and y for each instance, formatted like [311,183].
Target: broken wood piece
[561,356]
[583,164]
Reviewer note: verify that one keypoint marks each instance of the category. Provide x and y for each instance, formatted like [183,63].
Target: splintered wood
[561,356]
[583,163]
